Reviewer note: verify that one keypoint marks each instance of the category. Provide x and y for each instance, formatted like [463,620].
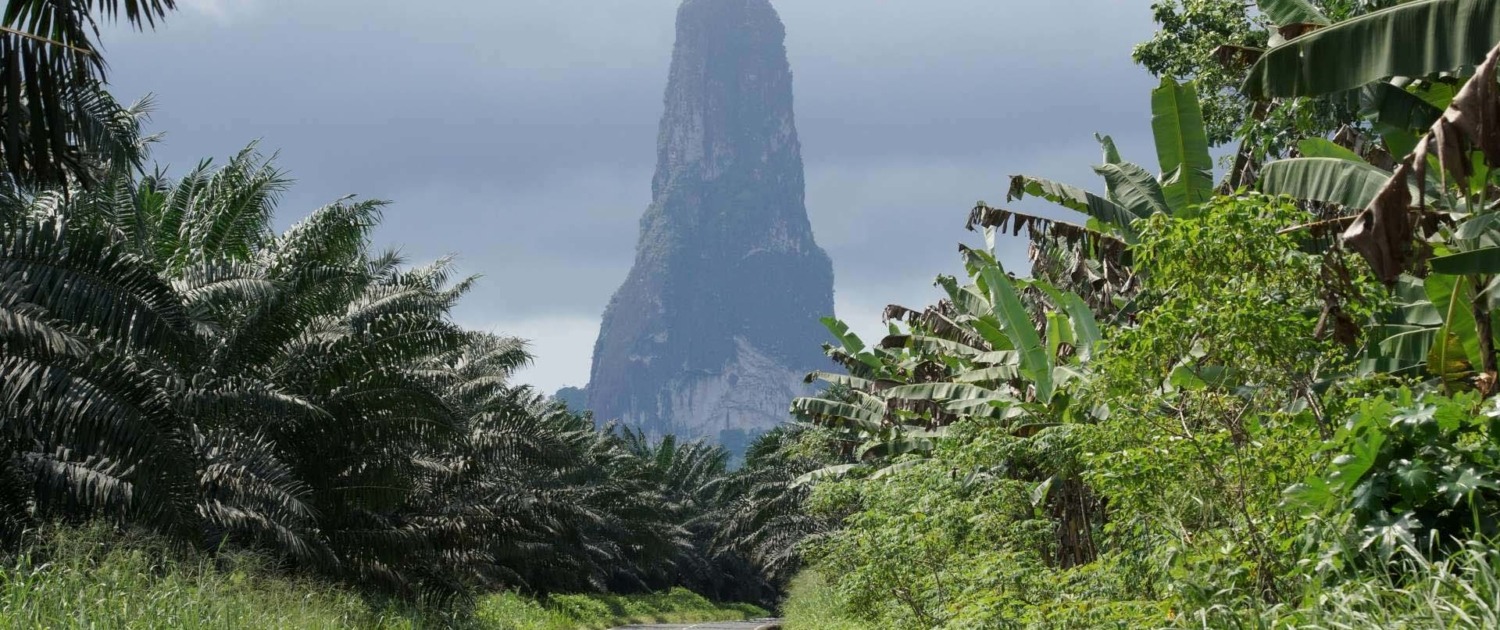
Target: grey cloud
[521,134]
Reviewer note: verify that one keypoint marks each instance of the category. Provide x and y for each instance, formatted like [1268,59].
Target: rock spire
[717,323]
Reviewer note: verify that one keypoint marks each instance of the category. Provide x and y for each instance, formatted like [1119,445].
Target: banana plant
[1091,257]
[1403,65]
[1133,192]
[981,353]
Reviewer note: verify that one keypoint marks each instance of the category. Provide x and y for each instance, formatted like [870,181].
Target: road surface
[722,625]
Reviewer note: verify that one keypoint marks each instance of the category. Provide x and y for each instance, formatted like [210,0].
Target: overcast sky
[520,134]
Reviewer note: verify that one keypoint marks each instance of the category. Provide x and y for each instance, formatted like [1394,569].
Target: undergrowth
[99,578]
[811,604]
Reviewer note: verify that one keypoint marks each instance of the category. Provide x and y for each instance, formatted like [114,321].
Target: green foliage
[1214,399]
[96,578]
[1460,591]
[59,124]
[509,611]
[811,604]
[1150,482]
[169,362]
[1412,472]
[1142,480]
[1229,303]
[969,538]
[1412,39]
[1189,34]
[1215,42]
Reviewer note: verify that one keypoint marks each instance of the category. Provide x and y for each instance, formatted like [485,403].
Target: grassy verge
[597,612]
[811,604]
[96,579]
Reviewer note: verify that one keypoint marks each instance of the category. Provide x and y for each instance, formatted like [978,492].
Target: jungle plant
[1411,474]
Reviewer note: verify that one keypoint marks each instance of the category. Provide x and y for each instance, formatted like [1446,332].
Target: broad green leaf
[940,392]
[991,333]
[1419,312]
[841,379]
[1477,226]
[1289,12]
[1464,481]
[1059,333]
[1035,363]
[1111,153]
[1447,360]
[1062,375]
[1390,533]
[1416,481]
[1437,94]
[1324,148]
[1312,495]
[1112,215]
[1085,327]
[1479,261]
[1002,407]
[841,331]
[1002,357]
[1352,185]
[1413,39]
[934,345]
[1391,106]
[837,413]
[1181,145]
[968,298]
[997,374]
[1040,492]
[1409,344]
[1350,468]
[1454,296]
[1133,187]
[1398,141]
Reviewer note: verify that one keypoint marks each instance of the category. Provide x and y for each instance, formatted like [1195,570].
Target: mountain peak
[718,320]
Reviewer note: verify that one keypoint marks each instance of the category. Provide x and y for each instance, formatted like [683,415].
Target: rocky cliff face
[717,323]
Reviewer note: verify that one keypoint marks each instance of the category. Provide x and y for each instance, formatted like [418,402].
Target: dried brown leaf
[1383,232]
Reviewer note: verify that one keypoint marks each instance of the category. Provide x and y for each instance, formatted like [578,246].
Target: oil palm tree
[57,122]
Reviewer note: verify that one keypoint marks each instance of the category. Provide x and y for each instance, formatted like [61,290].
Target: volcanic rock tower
[717,323]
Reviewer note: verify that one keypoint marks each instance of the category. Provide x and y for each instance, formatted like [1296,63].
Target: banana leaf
[1112,215]
[1485,260]
[1353,185]
[1413,39]
[1290,12]
[1181,145]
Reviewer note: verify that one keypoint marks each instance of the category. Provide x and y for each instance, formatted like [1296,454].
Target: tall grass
[96,578]
[1460,591]
[101,579]
[812,604]
[597,612]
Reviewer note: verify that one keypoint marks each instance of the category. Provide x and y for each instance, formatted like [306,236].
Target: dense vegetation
[1263,399]
[98,578]
[170,364]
